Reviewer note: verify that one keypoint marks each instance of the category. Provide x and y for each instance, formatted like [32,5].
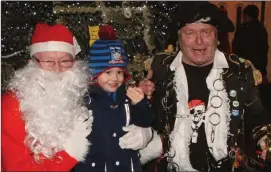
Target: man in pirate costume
[201,98]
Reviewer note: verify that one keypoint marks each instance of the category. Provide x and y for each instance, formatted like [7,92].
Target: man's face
[111,79]
[198,43]
[54,61]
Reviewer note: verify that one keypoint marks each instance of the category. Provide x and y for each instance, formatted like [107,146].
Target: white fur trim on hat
[54,46]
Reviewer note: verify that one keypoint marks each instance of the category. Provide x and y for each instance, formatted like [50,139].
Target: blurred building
[235,8]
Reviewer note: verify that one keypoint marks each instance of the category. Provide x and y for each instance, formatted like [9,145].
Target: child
[113,108]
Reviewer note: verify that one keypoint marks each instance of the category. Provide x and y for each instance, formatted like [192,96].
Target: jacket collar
[96,92]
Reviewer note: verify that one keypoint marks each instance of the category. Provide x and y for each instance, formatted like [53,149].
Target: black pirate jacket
[240,76]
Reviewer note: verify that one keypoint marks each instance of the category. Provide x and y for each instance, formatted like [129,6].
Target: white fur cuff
[152,150]
[77,145]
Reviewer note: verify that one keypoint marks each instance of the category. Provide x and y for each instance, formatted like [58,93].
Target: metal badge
[233,93]
[235,103]
[235,112]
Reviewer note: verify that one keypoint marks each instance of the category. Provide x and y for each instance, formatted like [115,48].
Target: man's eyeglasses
[51,64]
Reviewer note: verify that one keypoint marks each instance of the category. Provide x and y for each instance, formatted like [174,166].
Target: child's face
[111,79]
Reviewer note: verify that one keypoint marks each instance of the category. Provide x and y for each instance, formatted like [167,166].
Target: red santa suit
[23,107]
[16,156]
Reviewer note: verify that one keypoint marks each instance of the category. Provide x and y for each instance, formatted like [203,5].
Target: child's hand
[135,94]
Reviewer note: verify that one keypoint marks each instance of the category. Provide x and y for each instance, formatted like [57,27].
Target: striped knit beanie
[105,54]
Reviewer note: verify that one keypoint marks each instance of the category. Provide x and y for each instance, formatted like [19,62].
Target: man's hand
[147,87]
[135,94]
[136,138]
[263,146]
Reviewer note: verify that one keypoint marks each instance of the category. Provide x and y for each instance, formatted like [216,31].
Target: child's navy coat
[109,118]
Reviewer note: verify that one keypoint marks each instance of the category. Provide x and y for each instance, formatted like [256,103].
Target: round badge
[235,103]
[216,101]
[219,85]
[235,112]
[233,93]
[214,119]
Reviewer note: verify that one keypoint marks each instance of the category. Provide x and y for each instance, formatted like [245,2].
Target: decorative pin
[194,137]
[127,111]
[233,93]
[235,103]
[235,112]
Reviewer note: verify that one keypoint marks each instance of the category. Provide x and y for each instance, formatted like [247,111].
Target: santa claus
[44,124]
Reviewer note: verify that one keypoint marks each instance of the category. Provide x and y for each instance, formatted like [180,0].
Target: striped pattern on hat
[104,54]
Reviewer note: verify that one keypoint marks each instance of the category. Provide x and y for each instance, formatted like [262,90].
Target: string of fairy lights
[141,25]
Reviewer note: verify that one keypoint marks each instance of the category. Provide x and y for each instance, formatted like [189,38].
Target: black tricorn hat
[202,12]
[198,12]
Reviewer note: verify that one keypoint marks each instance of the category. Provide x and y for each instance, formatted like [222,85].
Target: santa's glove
[153,150]
[77,144]
[136,138]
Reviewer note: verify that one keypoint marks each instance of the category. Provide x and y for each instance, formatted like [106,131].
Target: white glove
[77,144]
[83,123]
[136,138]
[153,150]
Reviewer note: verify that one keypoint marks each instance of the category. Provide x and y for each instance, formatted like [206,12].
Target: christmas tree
[141,25]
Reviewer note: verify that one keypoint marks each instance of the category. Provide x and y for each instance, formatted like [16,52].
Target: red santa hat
[195,103]
[53,38]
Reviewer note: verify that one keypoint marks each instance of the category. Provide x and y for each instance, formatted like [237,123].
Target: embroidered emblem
[203,20]
[116,56]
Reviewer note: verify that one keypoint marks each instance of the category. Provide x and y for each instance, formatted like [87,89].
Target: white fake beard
[50,102]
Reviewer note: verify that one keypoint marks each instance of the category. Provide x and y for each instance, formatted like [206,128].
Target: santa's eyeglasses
[51,64]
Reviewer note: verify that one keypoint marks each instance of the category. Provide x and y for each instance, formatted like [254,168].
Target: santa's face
[54,61]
